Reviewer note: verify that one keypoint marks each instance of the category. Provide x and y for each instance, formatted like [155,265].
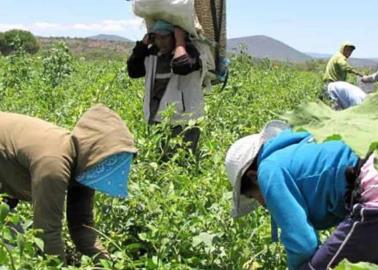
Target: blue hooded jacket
[303,184]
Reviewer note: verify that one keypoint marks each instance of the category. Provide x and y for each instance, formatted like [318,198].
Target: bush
[14,40]
[57,65]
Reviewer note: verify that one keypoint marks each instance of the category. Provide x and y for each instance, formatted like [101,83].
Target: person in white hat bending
[308,186]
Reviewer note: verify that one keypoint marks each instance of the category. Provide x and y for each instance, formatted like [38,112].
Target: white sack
[177,12]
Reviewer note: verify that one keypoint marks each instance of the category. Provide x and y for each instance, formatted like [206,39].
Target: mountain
[109,38]
[267,47]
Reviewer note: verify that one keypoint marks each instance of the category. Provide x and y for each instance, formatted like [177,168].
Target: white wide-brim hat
[238,159]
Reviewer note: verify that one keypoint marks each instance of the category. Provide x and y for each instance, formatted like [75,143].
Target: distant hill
[109,38]
[319,55]
[105,46]
[91,48]
[363,62]
[266,47]
[358,62]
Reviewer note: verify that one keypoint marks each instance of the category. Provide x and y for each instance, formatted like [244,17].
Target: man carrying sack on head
[47,165]
[171,66]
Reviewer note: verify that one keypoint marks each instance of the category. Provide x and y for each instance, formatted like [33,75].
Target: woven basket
[203,11]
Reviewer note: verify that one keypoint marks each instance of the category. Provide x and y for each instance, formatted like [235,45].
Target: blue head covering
[109,175]
[162,27]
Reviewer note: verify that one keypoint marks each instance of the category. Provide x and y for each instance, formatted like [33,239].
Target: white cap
[238,159]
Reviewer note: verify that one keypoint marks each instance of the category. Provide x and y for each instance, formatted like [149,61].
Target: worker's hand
[104,255]
[180,36]
[364,79]
[147,39]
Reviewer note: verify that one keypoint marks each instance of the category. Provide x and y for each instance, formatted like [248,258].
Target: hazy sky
[309,26]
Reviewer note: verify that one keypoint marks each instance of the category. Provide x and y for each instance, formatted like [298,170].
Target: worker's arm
[135,63]
[287,207]
[186,57]
[348,68]
[49,185]
[80,200]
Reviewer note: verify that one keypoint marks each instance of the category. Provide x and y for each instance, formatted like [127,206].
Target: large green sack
[357,126]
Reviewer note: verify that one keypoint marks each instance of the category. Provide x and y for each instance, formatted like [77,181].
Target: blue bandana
[162,27]
[110,175]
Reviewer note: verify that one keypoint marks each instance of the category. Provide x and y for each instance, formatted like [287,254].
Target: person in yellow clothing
[47,165]
[342,93]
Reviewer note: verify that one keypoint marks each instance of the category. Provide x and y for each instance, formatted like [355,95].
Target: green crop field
[177,215]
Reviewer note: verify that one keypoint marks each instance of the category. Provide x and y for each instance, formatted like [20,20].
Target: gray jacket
[183,92]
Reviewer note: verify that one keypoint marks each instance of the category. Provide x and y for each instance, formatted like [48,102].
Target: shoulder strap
[217,24]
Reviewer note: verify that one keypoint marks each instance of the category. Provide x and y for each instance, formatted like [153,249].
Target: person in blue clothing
[308,186]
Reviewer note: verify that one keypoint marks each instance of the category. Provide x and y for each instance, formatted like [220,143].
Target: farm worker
[172,69]
[46,165]
[342,93]
[370,78]
[308,186]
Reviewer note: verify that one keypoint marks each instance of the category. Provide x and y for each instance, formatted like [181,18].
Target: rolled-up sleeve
[186,63]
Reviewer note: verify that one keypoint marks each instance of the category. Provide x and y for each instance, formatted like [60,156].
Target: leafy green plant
[57,65]
[177,215]
[17,71]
